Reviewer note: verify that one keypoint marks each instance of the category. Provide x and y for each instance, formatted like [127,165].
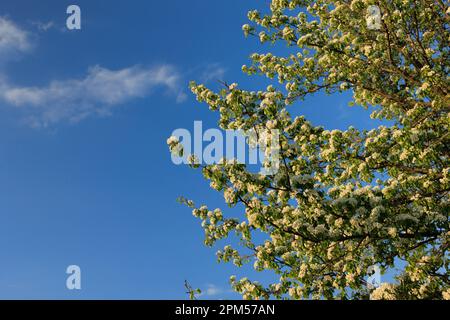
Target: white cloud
[44,26]
[97,94]
[12,39]
[213,72]
[213,291]
[72,100]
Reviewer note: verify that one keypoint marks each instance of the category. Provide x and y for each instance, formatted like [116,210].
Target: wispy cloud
[214,291]
[213,72]
[44,26]
[71,100]
[13,39]
[97,94]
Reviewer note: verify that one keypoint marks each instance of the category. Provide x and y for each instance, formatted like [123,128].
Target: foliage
[342,201]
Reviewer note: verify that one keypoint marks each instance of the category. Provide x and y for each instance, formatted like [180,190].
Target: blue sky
[85,173]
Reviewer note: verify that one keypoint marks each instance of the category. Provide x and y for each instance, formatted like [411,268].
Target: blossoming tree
[342,201]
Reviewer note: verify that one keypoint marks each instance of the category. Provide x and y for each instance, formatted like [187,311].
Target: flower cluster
[175,147]
[341,200]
